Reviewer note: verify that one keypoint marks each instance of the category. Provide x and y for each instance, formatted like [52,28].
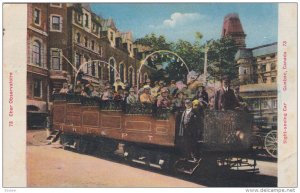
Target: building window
[86,20]
[112,71]
[264,80]
[55,4]
[37,16]
[273,66]
[273,79]
[130,76]
[93,69]
[100,50]
[55,59]
[121,70]
[93,45]
[275,104]
[263,68]
[245,71]
[56,23]
[37,88]
[85,41]
[36,53]
[100,72]
[77,60]
[79,17]
[130,47]
[78,38]
[111,36]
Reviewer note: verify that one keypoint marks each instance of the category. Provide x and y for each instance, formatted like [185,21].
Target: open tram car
[143,135]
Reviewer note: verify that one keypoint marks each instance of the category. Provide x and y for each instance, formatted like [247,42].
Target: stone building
[258,79]
[64,38]
[37,64]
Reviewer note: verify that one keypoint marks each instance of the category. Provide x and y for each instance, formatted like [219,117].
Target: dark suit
[187,134]
[225,100]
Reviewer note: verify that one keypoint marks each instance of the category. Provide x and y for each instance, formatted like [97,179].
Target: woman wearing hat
[146,97]
[163,100]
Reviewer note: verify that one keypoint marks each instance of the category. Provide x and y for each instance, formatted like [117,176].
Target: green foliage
[220,57]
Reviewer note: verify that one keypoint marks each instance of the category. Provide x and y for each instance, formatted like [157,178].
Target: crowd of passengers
[159,93]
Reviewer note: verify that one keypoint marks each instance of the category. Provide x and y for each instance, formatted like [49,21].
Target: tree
[155,42]
[221,58]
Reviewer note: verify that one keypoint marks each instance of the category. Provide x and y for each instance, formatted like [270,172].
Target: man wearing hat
[163,100]
[131,99]
[202,96]
[187,130]
[146,97]
[225,98]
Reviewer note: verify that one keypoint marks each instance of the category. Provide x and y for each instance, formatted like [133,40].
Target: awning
[36,106]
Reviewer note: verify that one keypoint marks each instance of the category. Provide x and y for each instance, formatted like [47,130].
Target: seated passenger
[178,102]
[118,83]
[163,101]
[89,88]
[64,89]
[173,88]
[95,93]
[145,98]
[78,87]
[119,96]
[108,94]
[131,99]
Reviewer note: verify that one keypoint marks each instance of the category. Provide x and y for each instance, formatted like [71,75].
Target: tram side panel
[90,120]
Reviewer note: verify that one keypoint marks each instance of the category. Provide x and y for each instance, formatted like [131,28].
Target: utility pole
[205,63]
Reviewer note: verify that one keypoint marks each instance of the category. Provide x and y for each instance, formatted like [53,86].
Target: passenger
[154,90]
[173,88]
[163,101]
[145,98]
[89,88]
[64,89]
[132,98]
[95,93]
[202,96]
[127,86]
[71,89]
[243,105]
[108,94]
[78,88]
[119,96]
[118,83]
[148,82]
[225,98]
[178,102]
[188,130]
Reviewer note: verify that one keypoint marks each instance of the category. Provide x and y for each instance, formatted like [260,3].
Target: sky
[181,20]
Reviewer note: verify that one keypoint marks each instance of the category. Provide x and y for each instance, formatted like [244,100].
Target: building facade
[37,63]
[258,79]
[66,38]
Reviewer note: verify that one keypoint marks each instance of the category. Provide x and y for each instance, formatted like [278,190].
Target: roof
[243,53]
[258,87]
[108,23]
[126,36]
[265,50]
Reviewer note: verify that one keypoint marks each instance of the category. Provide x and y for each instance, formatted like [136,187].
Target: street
[51,166]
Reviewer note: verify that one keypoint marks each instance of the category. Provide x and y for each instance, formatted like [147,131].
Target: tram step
[53,136]
[188,166]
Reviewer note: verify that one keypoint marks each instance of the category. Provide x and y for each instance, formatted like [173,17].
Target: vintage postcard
[150,95]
